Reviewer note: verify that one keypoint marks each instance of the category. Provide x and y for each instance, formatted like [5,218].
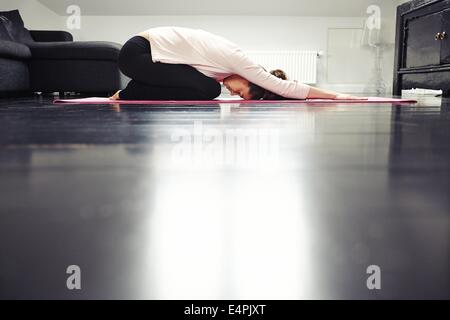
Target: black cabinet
[422,51]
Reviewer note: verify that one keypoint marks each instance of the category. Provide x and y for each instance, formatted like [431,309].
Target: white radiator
[298,65]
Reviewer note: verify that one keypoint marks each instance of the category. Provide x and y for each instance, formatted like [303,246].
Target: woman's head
[273,96]
[238,85]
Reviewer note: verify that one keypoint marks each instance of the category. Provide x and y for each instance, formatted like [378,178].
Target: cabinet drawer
[445,43]
[421,47]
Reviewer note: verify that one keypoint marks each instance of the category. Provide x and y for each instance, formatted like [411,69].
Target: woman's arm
[254,73]
[243,66]
[316,93]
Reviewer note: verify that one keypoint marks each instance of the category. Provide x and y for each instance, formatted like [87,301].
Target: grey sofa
[50,61]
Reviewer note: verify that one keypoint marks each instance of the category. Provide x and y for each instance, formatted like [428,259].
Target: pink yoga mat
[97,100]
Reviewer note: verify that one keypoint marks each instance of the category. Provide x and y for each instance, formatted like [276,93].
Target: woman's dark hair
[259,93]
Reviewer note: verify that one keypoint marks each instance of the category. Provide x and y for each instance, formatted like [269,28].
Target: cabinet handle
[440,36]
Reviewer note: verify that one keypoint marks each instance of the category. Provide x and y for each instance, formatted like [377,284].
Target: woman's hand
[342,96]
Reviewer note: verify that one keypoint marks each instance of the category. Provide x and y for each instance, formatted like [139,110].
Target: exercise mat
[98,100]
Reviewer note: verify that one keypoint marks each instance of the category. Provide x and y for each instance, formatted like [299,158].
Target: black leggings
[161,81]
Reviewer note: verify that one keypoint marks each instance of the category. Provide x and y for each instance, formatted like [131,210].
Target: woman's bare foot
[115,96]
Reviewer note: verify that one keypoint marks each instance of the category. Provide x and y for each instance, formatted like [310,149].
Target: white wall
[35,15]
[250,32]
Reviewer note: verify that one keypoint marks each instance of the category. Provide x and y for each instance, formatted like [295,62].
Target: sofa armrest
[50,35]
[14,50]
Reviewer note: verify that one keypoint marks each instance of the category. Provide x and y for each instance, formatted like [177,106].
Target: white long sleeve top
[215,57]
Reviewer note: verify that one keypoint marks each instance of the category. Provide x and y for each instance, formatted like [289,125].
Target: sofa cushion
[14,75]
[80,50]
[4,34]
[14,24]
[14,50]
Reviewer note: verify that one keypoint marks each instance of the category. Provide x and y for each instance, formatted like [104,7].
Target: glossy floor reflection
[224,202]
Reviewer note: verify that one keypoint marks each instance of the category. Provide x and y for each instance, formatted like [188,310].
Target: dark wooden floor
[224,202]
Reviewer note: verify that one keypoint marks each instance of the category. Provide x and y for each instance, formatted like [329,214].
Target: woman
[175,63]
